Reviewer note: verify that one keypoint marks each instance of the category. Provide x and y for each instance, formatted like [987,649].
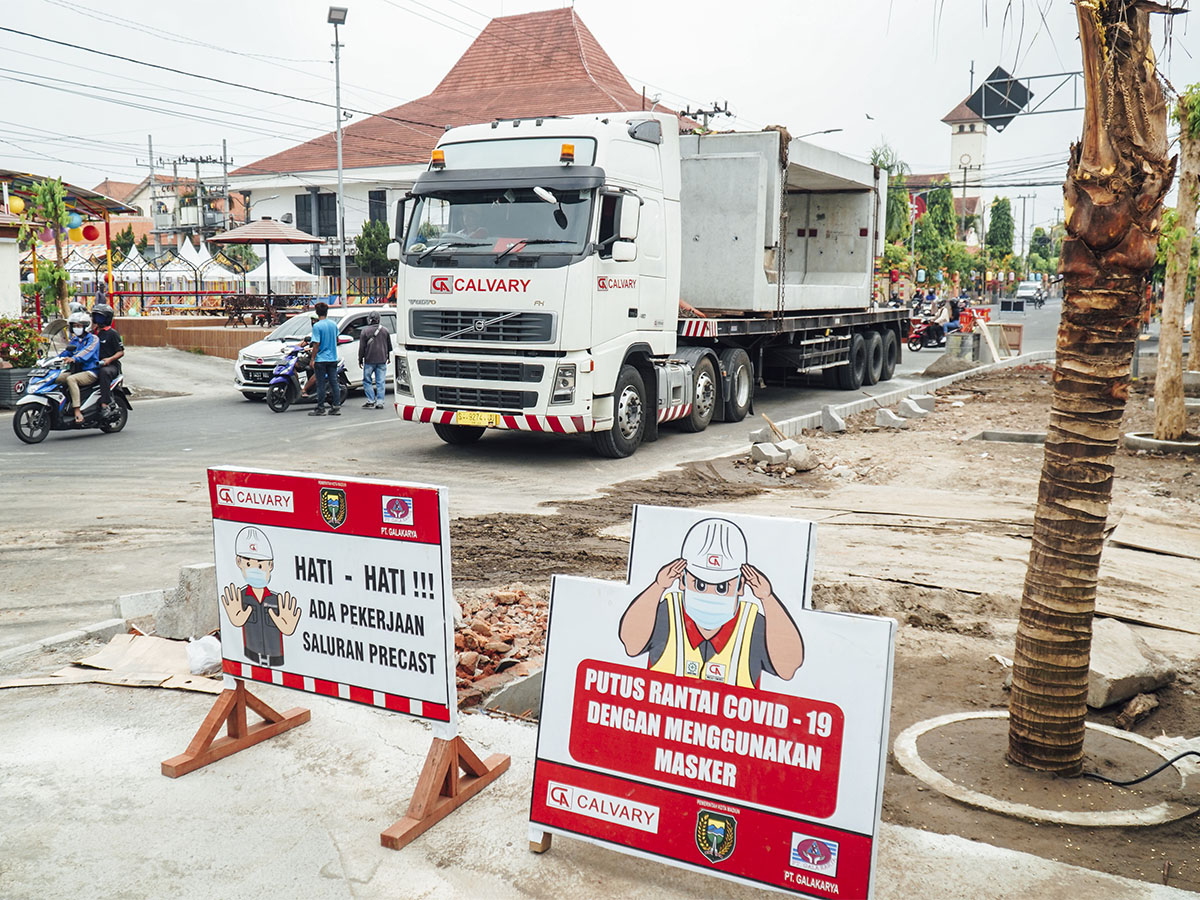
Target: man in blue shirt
[83,352]
[325,337]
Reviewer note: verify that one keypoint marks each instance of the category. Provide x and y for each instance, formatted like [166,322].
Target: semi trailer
[605,274]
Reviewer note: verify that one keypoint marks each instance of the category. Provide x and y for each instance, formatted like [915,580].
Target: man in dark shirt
[374,353]
[111,351]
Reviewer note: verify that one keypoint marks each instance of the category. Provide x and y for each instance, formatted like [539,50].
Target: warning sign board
[337,587]
[705,715]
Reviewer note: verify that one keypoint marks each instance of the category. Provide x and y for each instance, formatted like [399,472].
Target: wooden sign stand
[230,710]
[441,789]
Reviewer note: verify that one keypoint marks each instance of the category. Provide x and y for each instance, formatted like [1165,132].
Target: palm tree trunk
[1170,414]
[1117,177]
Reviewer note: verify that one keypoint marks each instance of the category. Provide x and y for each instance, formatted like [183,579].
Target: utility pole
[707,114]
[153,199]
[1023,198]
[225,161]
[337,77]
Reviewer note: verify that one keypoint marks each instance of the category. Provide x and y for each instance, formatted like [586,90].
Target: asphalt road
[93,516]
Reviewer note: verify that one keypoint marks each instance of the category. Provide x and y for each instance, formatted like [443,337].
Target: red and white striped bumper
[552,424]
[678,412]
[697,328]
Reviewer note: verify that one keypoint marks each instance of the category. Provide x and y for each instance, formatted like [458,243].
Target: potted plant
[20,347]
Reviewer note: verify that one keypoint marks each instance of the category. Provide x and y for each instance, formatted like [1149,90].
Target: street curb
[101,631]
[793,427]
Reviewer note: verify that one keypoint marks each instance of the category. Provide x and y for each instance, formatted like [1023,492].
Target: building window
[377,206]
[304,213]
[326,215]
[972,126]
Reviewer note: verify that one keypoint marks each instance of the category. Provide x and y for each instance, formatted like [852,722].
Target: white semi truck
[606,274]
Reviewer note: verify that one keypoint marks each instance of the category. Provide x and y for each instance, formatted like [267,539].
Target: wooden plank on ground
[1148,529]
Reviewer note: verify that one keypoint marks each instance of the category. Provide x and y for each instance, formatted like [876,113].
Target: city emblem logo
[441,284]
[333,506]
[716,835]
[397,510]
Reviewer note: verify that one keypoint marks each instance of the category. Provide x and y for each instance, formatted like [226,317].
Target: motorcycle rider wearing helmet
[705,630]
[83,352]
[110,352]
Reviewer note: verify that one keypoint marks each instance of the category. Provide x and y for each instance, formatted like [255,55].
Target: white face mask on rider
[78,331]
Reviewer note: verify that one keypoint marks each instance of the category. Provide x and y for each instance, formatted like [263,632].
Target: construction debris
[1136,710]
[501,627]
[1122,665]
[885,418]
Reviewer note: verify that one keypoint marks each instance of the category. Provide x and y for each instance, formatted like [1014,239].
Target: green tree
[1000,226]
[1040,243]
[242,255]
[143,244]
[935,229]
[47,208]
[898,227]
[372,245]
[123,240]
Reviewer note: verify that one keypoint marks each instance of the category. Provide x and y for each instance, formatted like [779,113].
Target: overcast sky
[877,69]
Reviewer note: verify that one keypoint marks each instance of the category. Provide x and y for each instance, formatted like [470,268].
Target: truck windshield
[487,223]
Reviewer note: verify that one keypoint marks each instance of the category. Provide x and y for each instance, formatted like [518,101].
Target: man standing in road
[325,336]
[374,349]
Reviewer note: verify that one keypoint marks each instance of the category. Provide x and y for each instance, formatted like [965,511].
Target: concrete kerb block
[145,603]
[521,696]
[190,611]
[885,418]
[830,420]
[767,453]
[927,402]
[909,409]
[762,435]
[1122,665]
[790,447]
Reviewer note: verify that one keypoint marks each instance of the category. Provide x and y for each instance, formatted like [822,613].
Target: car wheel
[629,417]
[251,395]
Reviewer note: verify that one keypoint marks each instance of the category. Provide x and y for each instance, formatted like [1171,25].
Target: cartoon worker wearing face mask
[263,615]
[706,630]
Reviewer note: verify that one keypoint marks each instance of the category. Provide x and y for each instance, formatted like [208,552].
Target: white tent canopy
[286,276]
[132,263]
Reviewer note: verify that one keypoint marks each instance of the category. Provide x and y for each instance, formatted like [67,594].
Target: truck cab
[539,257]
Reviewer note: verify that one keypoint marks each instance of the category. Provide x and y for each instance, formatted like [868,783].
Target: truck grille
[480,398]
[466,369]
[526,327]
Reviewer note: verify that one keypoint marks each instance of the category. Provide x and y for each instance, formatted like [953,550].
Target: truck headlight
[403,382]
[564,384]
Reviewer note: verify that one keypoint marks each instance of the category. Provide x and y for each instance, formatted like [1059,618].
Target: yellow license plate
[487,420]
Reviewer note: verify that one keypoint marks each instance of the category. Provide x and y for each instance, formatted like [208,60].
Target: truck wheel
[629,417]
[851,375]
[874,369]
[736,361]
[459,434]
[704,397]
[891,349]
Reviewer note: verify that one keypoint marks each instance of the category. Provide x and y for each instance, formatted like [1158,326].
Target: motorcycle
[46,405]
[922,335]
[287,380]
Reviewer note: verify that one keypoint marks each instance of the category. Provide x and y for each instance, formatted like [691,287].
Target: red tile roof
[117,190]
[540,63]
[961,113]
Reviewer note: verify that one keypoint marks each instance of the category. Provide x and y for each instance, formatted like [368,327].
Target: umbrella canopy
[265,231]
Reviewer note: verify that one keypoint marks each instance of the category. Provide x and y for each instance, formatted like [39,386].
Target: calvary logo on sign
[715,835]
[441,284]
[333,506]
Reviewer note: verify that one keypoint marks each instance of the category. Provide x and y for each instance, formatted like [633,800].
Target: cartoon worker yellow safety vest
[682,655]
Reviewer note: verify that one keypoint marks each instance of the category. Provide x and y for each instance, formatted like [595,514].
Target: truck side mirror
[631,211]
[398,230]
[393,251]
[624,251]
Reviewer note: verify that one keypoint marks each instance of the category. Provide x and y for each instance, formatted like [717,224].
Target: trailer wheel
[891,349]
[874,369]
[852,375]
[704,397]
[458,434]
[736,362]
[629,417]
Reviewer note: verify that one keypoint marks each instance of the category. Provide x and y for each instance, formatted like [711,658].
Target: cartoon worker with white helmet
[263,615]
[706,630]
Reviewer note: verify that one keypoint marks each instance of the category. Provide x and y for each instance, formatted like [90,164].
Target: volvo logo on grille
[479,324]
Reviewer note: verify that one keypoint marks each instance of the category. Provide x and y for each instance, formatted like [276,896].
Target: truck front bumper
[552,424]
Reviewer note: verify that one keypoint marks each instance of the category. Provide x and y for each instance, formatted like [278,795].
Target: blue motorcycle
[45,405]
[292,381]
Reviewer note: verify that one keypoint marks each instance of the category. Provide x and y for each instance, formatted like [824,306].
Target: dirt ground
[949,639]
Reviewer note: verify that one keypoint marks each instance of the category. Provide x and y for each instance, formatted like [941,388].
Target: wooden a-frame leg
[230,710]
[441,788]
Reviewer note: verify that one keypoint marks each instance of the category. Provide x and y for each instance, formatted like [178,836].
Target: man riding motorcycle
[111,351]
[83,352]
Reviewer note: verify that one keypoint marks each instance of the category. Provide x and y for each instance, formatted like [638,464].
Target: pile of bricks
[500,628]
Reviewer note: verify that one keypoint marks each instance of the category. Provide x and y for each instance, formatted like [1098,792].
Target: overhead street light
[337,16]
[826,131]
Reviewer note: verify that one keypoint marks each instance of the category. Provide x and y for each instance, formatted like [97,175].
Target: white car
[255,363]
